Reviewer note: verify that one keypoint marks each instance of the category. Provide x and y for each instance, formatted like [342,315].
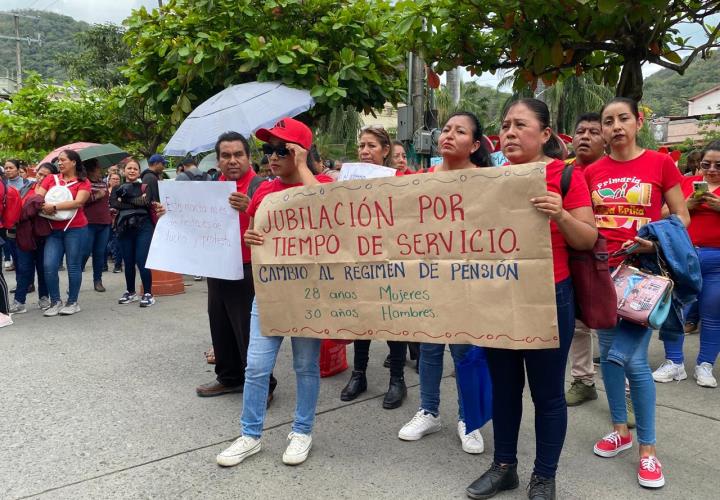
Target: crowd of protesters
[114,216]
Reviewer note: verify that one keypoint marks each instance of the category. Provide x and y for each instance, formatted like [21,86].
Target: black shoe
[117,269]
[497,478]
[386,363]
[355,386]
[541,488]
[396,393]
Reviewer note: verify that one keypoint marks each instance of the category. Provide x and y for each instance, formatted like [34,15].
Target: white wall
[707,104]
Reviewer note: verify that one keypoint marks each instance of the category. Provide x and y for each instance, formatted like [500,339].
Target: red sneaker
[650,472]
[612,444]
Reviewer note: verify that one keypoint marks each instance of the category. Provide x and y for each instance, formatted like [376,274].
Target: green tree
[342,51]
[102,52]
[554,39]
[43,116]
[485,102]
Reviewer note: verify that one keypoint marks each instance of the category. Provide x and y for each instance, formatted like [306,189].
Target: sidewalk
[102,405]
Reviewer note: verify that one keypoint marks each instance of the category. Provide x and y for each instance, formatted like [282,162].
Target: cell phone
[700,188]
[627,251]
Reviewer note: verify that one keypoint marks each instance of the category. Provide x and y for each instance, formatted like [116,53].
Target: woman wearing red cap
[286,146]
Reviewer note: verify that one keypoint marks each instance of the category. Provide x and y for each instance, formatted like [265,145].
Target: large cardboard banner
[455,257]
[200,233]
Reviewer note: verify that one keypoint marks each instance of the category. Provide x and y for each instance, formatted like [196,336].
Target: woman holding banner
[461,146]
[286,146]
[526,137]
[375,147]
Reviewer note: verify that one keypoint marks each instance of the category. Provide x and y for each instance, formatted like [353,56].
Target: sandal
[210,356]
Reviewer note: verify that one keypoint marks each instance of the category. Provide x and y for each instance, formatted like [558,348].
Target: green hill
[58,36]
[667,92]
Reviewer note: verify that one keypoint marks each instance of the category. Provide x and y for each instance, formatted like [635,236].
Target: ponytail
[554,148]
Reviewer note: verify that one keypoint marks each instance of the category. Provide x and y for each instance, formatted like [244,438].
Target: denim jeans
[624,353]
[113,248]
[546,377]
[70,242]
[135,246]
[431,370]
[27,264]
[98,235]
[262,354]
[708,309]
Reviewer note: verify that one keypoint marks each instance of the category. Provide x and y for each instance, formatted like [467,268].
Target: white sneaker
[54,309]
[704,375]
[471,443]
[421,424]
[669,371]
[44,303]
[70,309]
[242,447]
[298,448]
[128,297]
[17,308]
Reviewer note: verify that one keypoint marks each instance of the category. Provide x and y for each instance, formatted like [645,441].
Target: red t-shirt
[75,186]
[577,196]
[704,228]
[243,183]
[627,195]
[274,186]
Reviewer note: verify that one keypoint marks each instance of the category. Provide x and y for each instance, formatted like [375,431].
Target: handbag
[642,297]
[595,296]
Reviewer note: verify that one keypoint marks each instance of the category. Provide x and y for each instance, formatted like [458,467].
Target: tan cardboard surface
[453,257]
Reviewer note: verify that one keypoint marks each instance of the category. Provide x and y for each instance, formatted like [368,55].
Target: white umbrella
[241,108]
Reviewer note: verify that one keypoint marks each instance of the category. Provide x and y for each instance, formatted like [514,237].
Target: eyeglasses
[280,151]
[706,165]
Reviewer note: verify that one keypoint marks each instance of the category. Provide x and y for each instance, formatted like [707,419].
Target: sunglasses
[280,151]
[707,165]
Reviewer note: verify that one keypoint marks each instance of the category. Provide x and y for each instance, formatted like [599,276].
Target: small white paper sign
[352,171]
[200,233]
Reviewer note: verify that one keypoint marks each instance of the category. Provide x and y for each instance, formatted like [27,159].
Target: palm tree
[336,133]
[484,102]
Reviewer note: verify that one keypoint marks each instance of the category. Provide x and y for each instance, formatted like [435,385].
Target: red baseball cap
[288,130]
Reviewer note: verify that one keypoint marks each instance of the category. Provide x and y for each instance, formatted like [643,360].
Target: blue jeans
[113,248]
[546,376]
[431,370]
[624,354]
[27,263]
[708,310]
[97,241]
[70,242]
[135,246]
[262,354]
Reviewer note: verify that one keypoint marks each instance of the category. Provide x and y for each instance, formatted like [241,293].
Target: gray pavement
[102,405]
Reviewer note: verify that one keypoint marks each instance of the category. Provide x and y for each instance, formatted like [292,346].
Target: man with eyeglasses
[230,301]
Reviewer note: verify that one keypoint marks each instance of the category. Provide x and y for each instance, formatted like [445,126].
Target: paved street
[102,405]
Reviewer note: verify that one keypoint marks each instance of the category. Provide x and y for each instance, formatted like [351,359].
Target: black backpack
[200,176]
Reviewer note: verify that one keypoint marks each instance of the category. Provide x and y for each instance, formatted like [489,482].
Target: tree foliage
[554,39]
[103,52]
[44,116]
[485,102]
[341,51]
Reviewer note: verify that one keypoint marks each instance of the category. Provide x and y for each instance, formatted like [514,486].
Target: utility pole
[17,38]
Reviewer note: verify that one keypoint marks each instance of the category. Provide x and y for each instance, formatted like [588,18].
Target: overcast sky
[99,11]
